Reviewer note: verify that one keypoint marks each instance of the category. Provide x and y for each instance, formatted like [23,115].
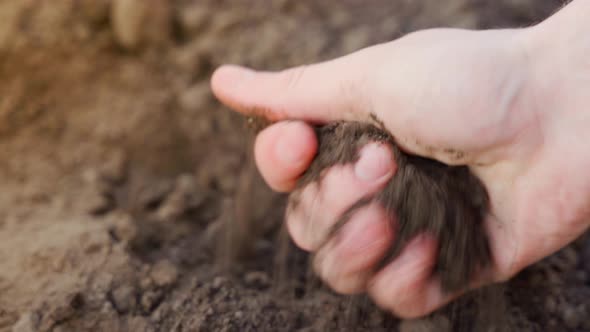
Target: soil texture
[129,199]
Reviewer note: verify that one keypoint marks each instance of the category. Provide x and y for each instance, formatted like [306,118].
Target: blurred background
[124,181]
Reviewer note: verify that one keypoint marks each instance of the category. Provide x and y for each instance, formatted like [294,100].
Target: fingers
[346,262]
[332,90]
[416,86]
[283,151]
[314,210]
[406,286]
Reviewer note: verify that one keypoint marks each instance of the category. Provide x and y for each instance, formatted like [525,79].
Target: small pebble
[98,204]
[194,18]
[123,228]
[107,308]
[149,300]
[164,273]
[124,298]
[127,19]
[219,282]
[158,314]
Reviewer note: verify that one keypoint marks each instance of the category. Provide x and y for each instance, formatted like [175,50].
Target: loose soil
[424,196]
[129,194]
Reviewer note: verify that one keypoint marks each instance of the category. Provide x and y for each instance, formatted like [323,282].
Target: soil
[129,196]
[424,196]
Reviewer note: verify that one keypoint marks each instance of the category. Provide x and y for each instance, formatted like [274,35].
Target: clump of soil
[424,196]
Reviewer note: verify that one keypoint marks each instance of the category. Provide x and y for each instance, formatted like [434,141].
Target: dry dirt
[124,182]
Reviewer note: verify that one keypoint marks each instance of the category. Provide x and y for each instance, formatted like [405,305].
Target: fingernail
[287,149]
[374,164]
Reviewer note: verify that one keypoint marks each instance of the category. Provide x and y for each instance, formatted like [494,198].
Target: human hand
[493,100]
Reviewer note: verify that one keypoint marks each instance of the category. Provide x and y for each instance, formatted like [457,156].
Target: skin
[511,104]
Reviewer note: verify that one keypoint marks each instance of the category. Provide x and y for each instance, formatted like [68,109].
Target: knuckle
[334,276]
[291,77]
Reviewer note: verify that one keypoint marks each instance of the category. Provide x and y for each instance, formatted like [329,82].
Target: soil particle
[164,273]
[219,282]
[124,298]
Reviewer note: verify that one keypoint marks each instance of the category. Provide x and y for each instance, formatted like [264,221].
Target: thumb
[328,91]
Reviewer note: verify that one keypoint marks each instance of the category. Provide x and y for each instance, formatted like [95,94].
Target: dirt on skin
[121,175]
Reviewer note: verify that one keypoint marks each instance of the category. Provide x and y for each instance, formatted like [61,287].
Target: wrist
[557,56]
[566,26]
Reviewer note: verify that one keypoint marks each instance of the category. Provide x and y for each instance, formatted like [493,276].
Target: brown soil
[424,196]
[124,181]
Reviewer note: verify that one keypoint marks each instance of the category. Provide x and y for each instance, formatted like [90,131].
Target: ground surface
[124,182]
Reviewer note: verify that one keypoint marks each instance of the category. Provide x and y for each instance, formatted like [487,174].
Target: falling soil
[122,176]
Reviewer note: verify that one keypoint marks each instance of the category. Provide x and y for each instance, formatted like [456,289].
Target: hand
[506,103]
